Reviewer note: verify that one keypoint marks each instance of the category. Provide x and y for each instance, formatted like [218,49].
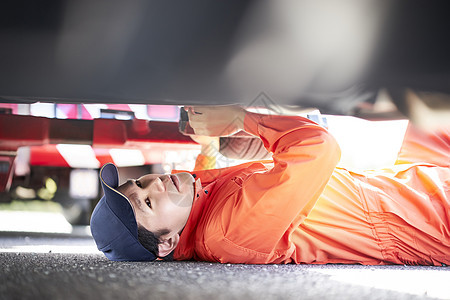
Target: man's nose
[157,183]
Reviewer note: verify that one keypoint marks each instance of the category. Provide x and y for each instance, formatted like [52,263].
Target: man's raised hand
[216,120]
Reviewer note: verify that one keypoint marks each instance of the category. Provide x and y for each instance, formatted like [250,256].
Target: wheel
[77,211]
[5,197]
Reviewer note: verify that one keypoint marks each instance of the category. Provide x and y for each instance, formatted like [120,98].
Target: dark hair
[151,240]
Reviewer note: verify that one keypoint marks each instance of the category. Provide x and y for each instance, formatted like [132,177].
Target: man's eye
[149,204]
[138,183]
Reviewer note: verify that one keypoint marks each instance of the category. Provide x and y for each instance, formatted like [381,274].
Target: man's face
[161,202]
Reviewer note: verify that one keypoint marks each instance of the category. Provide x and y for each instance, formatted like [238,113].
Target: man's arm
[271,204]
[206,159]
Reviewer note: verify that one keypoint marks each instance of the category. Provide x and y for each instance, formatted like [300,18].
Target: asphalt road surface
[66,265]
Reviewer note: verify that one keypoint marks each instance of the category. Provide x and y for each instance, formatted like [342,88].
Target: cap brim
[119,203]
[113,223]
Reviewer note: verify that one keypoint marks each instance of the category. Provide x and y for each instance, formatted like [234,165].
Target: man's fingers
[195,116]
[213,120]
[200,132]
[204,109]
[208,131]
[189,109]
[197,110]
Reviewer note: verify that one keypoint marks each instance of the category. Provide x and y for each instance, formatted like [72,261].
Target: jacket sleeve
[272,204]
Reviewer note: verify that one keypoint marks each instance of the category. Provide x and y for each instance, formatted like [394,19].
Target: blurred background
[83,83]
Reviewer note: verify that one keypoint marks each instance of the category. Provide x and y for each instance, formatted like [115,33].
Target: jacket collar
[209,180]
[186,245]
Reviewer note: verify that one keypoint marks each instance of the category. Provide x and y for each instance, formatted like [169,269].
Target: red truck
[54,151]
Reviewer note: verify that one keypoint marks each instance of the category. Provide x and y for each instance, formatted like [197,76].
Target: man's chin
[187,187]
[185,179]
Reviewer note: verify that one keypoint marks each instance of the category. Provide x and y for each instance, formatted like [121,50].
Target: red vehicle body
[54,151]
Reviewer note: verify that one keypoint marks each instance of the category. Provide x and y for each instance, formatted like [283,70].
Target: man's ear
[168,245]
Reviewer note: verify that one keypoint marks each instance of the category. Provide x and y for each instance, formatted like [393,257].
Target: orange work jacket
[300,208]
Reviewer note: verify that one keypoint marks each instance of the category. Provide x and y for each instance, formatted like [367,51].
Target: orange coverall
[300,208]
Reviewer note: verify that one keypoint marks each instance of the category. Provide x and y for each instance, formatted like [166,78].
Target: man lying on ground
[296,208]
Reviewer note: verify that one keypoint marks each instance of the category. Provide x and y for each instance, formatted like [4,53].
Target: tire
[5,197]
[75,211]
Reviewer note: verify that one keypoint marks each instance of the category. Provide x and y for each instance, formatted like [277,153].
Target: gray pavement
[36,265]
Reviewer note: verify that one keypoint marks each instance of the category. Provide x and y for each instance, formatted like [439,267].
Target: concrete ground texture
[48,259]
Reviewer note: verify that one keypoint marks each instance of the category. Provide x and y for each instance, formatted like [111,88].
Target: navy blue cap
[113,224]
